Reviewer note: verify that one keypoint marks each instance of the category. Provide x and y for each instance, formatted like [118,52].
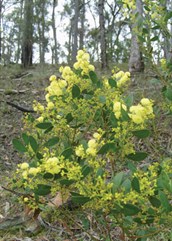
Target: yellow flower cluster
[27,171]
[52,165]
[141,112]
[83,62]
[117,107]
[163,63]
[38,107]
[92,147]
[122,78]
[56,87]
[131,4]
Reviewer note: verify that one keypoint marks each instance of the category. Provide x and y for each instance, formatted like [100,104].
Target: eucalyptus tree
[1,2]
[41,27]
[54,48]
[136,63]
[103,47]
[27,34]
[75,30]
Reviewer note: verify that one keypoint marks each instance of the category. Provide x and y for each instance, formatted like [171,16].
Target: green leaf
[75,91]
[102,99]
[135,184]
[112,82]
[48,176]
[33,143]
[100,172]
[155,202]
[93,77]
[138,156]
[125,116]
[113,121]
[69,118]
[130,210]
[44,126]
[66,182]
[164,201]
[155,38]
[18,145]
[168,93]
[156,27]
[117,181]
[86,170]
[51,142]
[127,185]
[141,133]
[108,147]
[67,153]
[39,155]
[79,199]
[146,8]
[168,15]
[42,190]
[25,138]
[129,100]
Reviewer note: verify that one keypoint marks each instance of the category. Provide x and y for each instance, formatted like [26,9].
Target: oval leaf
[79,199]
[51,142]
[130,210]
[67,153]
[112,82]
[138,156]
[93,77]
[44,126]
[33,143]
[141,133]
[75,91]
[135,184]
[107,148]
[42,190]
[18,145]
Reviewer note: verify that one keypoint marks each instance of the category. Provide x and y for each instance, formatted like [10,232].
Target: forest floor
[21,87]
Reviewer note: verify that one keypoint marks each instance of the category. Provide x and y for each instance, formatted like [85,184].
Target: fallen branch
[21,108]
[8,91]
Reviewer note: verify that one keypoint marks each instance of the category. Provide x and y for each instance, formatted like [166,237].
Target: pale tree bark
[55,52]
[1,1]
[75,31]
[27,43]
[136,63]
[103,52]
[167,39]
[82,29]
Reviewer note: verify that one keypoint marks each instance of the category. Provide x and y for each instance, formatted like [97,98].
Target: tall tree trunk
[82,29]
[168,40]
[75,31]
[54,32]
[19,35]
[136,63]
[27,45]
[1,30]
[103,53]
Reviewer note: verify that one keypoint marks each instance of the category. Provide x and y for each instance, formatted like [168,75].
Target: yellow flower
[40,119]
[146,102]
[50,105]
[24,165]
[117,108]
[53,78]
[92,143]
[26,199]
[34,171]
[97,136]
[79,151]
